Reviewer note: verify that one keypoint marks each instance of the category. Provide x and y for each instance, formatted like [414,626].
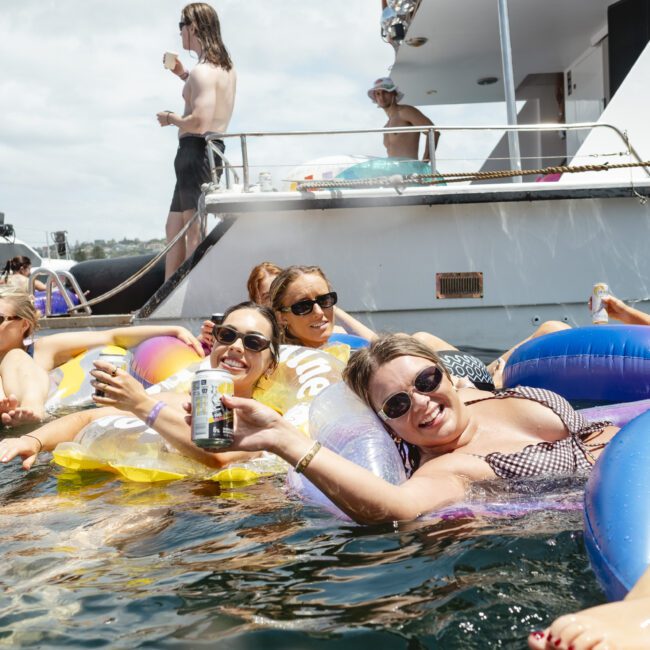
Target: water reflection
[91,560]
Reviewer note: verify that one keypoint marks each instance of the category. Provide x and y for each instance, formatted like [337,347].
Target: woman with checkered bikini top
[449,436]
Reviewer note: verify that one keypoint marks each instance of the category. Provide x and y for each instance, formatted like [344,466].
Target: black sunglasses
[304,307]
[227,335]
[399,404]
[4,318]
[181,25]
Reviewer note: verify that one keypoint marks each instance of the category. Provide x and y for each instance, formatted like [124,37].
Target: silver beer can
[119,361]
[212,422]
[599,315]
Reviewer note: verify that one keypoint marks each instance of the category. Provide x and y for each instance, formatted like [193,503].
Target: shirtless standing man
[209,94]
[386,95]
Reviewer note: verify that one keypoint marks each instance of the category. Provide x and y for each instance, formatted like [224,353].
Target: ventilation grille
[459,285]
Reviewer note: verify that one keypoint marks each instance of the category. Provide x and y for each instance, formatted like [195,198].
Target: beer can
[599,315]
[265,182]
[212,422]
[120,361]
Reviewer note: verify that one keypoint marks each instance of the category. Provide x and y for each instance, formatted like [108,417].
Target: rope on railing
[395,180]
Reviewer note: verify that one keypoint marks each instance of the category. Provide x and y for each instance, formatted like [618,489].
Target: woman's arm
[365,497]
[125,393]
[53,350]
[353,326]
[48,436]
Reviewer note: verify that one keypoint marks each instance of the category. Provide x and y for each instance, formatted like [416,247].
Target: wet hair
[267,312]
[258,273]
[15,264]
[23,306]
[208,32]
[364,363]
[279,288]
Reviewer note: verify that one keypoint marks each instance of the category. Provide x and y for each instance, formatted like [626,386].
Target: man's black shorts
[192,169]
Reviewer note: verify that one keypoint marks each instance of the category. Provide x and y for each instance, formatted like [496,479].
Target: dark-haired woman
[16,274]
[246,345]
[209,96]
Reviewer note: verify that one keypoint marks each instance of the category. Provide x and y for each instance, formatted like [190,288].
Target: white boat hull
[540,248]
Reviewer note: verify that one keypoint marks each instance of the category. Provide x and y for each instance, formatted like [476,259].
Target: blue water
[91,561]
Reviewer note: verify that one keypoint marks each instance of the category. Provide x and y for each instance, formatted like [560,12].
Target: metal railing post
[244,162]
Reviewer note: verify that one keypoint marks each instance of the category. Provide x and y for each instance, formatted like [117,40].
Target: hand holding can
[599,315]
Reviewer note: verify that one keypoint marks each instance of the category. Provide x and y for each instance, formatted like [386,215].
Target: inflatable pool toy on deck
[617,509]
[608,363]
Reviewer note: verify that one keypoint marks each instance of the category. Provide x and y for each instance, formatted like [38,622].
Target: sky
[81,149]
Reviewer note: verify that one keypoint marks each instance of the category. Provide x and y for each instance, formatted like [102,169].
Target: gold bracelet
[301,465]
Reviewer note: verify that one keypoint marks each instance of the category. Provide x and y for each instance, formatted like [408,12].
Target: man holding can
[209,95]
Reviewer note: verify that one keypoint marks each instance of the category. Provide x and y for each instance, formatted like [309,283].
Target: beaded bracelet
[40,444]
[301,465]
[153,414]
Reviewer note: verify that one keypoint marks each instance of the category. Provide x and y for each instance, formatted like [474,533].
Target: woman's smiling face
[434,420]
[315,328]
[246,366]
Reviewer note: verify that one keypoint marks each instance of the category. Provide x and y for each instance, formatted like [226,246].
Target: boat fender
[608,363]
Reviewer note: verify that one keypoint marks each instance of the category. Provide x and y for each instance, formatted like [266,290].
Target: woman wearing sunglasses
[448,437]
[246,345]
[25,362]
[304,304]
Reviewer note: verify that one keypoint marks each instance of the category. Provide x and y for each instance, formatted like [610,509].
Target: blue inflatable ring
[355,342]
[609,363]
[617,516]
[59,305]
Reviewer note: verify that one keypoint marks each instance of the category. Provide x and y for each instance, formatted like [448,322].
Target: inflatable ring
[127,447]
[617,516]
[609,363]
[58,304]
[464,365]
[70,383]
[302,373]
[355,342]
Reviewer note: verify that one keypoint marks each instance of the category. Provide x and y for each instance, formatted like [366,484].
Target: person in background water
[209,95]
[16,274]
[387,95]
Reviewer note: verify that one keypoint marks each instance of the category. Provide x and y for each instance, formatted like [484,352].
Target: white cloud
[80,148]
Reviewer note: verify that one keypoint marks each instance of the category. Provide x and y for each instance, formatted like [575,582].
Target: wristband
[168,114]
[40,444]
[185,75]
[301,465]
[153,414]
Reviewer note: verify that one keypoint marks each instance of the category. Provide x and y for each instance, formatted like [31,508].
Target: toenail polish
[557,641]
[550,637]
[537,634]
[571,647]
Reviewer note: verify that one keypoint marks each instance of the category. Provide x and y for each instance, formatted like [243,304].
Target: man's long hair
[208,31]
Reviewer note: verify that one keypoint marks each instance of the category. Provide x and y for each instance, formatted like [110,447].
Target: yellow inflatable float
[125,445]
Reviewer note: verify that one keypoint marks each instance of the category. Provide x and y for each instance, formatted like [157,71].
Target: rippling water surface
[93,561]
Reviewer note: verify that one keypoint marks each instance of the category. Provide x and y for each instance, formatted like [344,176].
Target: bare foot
[615,626]
[8,403]
[18,416]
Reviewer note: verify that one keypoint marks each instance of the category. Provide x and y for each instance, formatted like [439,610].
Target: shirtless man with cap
[387,95]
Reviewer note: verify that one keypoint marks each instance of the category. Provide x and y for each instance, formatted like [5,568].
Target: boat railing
[58,280]
[429,131]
